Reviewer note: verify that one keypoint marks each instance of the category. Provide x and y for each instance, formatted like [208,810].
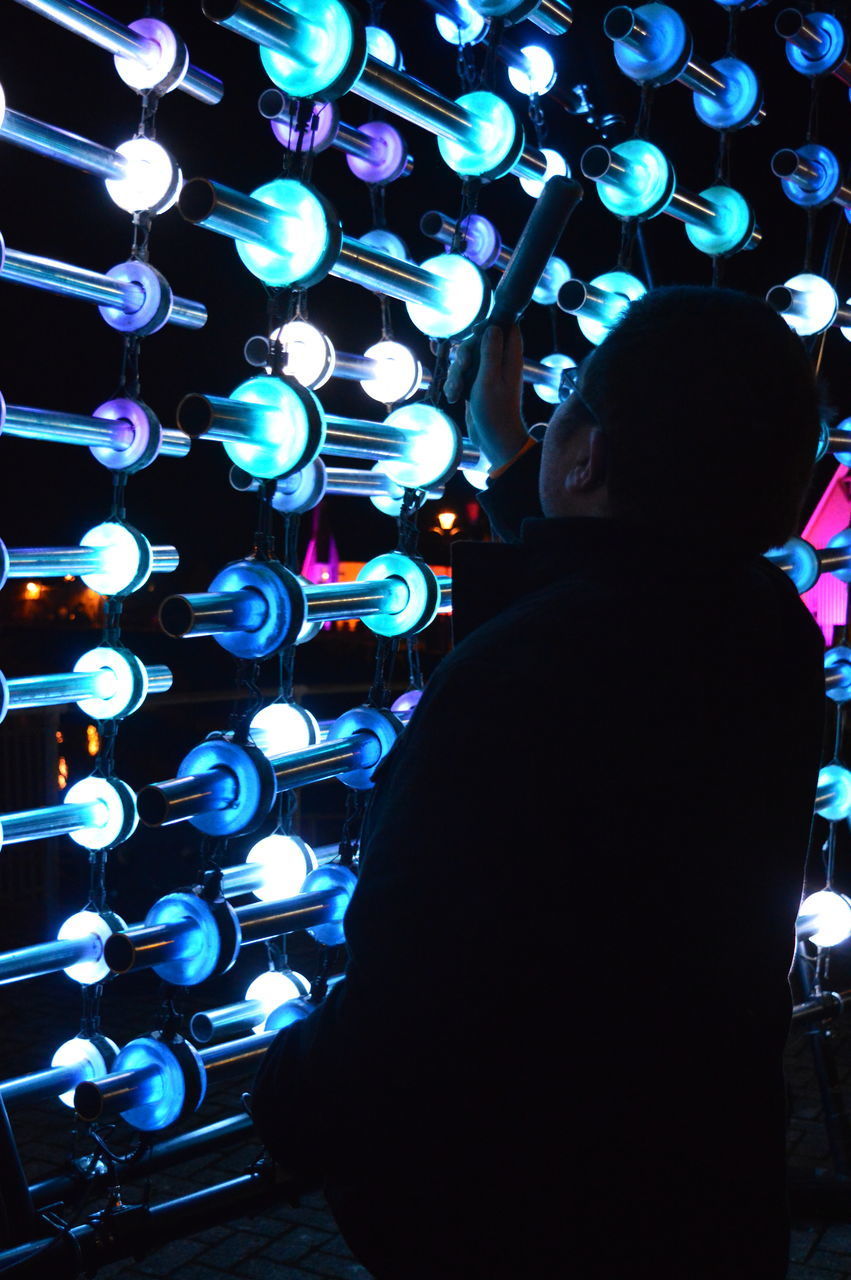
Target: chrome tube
[361,438]
[54,820]
[690,208]
[259,921]
[122,42]
[66,428]
[327,601]
[163,803]
[47,957]
[413,101]
[68,148]
[379,271]
[314,764]
[41,1084]
[70,281]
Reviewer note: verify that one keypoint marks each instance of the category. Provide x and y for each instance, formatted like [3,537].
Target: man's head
[698,414]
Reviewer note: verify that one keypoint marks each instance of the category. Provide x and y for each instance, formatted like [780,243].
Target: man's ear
[590,466]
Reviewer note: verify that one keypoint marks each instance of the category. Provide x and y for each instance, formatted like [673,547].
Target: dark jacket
[557,1050]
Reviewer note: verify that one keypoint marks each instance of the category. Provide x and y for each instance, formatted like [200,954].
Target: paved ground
[301,1243]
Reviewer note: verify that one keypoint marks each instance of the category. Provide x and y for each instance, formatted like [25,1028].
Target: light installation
[326,82]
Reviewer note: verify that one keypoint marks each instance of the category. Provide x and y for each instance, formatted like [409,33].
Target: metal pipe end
[119,951]
[88,1102]
[431,223]
[152,808]
[271,103]
[197,199]
[219,10]
[788,23]
[784,162]
[257,351]
[571,295]
[177,618]
[779,297]
[194,415]
[619,22]
[201,1028]
[595,162]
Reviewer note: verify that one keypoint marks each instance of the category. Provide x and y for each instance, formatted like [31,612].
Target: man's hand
[494,418]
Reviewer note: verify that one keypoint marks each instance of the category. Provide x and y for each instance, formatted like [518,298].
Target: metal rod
[343,480]
[354,142]
[99,29]
[208,1024]
[313,764]
[54,820]
[41,1084]
[830,558]
[332,600]
[53,562]
[66,686]
[144,946]
[259,921]
[235,1056]
[358,437]
[182,798]
[213,613]
[269,24]
[68,148]
[701,77]
[67,428]
[166,1153]
[47,957]
[414,101]
[219,418]
[71,281]
[119,1092]
[352,367]
[393,276]
[690,208]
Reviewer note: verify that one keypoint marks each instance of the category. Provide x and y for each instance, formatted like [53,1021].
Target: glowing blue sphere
[730,229]
[296,242]
[464,297]
[279,441]
[493,142]
[739,102]
[644,187]
[320,50]
[833,799]
[661,55]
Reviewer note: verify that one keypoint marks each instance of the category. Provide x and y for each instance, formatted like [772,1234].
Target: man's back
[557,1049]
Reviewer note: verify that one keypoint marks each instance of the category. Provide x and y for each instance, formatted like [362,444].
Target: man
[557,1050]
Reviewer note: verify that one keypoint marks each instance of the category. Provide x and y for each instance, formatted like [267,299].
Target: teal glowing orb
[490,147]
[464,297]
[833,796]
[432,450]
[279,440]
[554,275]
[549,391]
[730,230]
[644,188]
[320,51]
[296,241]
[620,289]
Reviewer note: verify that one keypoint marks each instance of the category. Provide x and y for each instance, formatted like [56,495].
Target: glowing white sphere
[285,862]
[283,727]
[92,931]
[272,989]
[539,73]
[107,820]
[152,180]
[467,29]
[557,166]
[119,560]
[477,473]
[397,374]
[830,915]
[309,354]
[381,46]
[86,1057]
[814,304]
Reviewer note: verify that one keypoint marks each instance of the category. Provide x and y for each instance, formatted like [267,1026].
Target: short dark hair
[710,405]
